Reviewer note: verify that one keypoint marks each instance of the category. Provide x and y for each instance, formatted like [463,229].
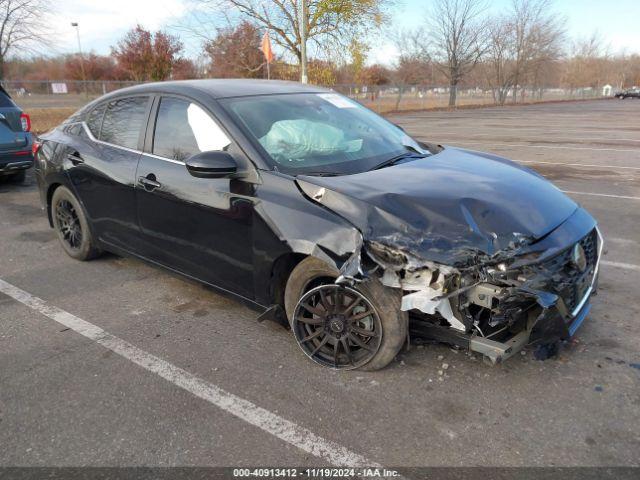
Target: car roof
[222,88]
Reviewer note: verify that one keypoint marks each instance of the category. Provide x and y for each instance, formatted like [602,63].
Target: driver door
[198,226]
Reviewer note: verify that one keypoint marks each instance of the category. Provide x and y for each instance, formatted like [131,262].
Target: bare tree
[330,25]
[23,27]
[588,64]
[499,58]
[538,34]
[413,65]
[522,44]
[457,33]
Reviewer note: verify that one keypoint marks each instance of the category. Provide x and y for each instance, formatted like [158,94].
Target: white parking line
[607,195]
[588,165]
[552,147]
[271,423]
[622,241]
[435,133]
[626,266]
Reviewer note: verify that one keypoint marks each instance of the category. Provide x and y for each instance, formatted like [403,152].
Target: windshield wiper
[322,174]
[397,158]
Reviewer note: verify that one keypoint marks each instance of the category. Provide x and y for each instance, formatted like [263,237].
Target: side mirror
[211,165]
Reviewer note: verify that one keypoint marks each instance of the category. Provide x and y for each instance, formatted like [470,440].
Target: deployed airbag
[299,138]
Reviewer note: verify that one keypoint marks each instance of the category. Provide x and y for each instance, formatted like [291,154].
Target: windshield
[316,133]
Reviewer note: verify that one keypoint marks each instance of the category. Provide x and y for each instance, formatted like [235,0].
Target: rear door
[198,226]
[102,163]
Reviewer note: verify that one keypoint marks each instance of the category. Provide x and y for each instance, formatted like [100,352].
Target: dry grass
[44,119]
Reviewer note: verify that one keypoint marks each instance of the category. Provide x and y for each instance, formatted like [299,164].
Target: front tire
[344,327]
[71,226]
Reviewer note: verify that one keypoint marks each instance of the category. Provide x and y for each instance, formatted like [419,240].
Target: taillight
[34,148]
[25,121]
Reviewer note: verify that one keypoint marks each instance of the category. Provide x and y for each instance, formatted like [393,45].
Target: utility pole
[84,77]
[303,41]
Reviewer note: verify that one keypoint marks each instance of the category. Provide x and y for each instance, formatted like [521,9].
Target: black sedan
[316,211]
[16,143]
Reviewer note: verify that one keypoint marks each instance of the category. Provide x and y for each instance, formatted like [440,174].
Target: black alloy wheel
[337,327]
[69,224]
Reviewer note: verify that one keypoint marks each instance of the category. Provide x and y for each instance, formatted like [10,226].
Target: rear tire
[71,226]
[312,272]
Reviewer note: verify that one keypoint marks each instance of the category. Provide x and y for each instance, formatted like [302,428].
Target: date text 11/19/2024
[373,472]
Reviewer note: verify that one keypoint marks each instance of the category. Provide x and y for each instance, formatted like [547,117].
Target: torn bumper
[560,308]
[552,327]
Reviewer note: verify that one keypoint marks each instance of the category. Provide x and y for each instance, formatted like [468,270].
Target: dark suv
[630,93]
[16,142]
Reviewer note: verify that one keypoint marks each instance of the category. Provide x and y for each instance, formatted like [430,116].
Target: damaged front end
[496,307]
[467,276]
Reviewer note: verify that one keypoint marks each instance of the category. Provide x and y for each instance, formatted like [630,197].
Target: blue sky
[102,22]
[618,22]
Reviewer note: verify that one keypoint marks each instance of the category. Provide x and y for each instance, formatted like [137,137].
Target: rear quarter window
[94,120]
[123,121]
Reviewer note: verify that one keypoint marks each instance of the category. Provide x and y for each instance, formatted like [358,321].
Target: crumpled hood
[446,206]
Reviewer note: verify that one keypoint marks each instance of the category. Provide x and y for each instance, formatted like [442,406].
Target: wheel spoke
[314,310]
[312,336]
[336,347]
[325,301]
[351,306]
[360,343]
[347,350]
[310,321]
[338,300]
[320,345]
[363,332]
[360,316]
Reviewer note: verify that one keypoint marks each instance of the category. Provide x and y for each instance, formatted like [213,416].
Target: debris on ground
[546,351]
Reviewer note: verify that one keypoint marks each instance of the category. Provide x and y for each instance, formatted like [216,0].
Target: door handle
[148,183]
[75,158]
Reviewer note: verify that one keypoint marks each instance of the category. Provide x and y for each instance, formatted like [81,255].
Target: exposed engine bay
[497,308]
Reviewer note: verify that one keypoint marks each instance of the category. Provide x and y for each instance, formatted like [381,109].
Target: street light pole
[303,41]
[84,77]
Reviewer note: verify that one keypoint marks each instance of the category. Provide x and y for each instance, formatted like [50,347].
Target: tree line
[461,45]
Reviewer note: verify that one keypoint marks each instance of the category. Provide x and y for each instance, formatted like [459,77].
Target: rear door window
[184,129]
[123,121]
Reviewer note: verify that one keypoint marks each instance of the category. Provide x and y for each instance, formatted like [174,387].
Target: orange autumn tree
[146,56]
